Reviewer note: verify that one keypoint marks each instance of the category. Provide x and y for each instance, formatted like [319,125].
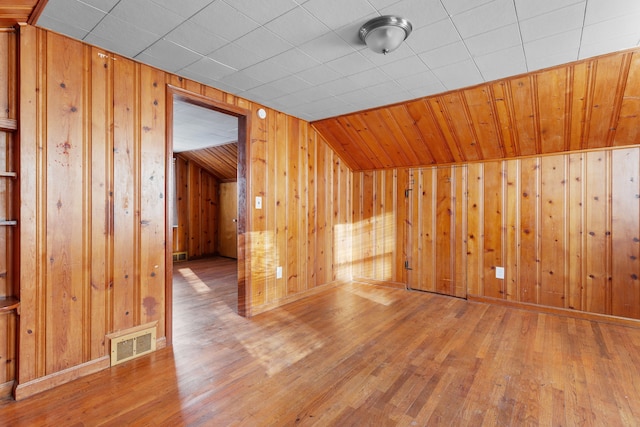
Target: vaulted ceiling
[584,105]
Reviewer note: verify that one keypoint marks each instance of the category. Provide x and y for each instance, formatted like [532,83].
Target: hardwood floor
[356,355]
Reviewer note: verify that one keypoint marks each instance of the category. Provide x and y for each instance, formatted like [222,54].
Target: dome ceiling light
[386,33]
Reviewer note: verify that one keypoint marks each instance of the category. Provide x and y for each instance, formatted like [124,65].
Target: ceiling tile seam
[108,13]
[524,54]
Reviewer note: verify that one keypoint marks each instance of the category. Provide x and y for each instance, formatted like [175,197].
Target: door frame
[244,124]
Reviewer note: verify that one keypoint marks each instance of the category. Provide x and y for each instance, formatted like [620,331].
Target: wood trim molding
[36,12]
[295,297]
[596,317]
[6,389]
[48,382]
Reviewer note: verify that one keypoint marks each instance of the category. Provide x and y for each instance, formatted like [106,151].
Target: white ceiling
[303,57]
[196,127]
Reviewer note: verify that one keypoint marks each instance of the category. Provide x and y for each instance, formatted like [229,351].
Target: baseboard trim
[48,382]
[597,317]
[396,285]
[6,389]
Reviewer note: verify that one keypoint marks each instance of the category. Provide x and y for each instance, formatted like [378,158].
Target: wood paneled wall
[93,154]
[197,203]
[565,227]
[8,208]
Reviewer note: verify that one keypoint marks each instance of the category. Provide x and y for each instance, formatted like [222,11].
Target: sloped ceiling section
[221,161]
[583,105]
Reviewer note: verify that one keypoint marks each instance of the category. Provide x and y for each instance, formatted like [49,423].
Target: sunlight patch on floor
[372,294]
[194,281]
[277,351]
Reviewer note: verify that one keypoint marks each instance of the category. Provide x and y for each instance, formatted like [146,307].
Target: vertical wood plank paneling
[494,181]
[553,225]
[96,122]
[153,197]
[512,231]
[444,233]
[356,221]
[529,260]
[475,223]
[101,200]
[401,212]
[577,236]
[181,232]
[551,87]
[292,176]
[460,227]
[124,192]
[278,290]
[625,232]
[596,228]
[65,218]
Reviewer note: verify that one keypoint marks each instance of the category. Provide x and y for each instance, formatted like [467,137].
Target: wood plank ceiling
[221,161]
[587,104]
[19,11]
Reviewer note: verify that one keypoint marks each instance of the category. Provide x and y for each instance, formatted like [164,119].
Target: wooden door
[228,226]
[436,230]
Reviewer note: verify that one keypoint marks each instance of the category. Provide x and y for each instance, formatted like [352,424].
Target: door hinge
[406,265]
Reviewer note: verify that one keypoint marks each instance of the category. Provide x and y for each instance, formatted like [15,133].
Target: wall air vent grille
[132,343]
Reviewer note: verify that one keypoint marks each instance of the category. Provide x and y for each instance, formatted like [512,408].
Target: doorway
[242,117]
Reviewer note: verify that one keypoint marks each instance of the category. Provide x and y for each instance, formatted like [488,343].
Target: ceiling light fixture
[386,33]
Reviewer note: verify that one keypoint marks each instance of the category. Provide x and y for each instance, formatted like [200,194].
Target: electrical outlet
[258,202]
[278,272]
[499,272]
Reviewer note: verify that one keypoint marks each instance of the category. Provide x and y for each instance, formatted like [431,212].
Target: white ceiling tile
[168,56]
[265,92]
[266,71]
[404,67]
[241,81]
[416,81]
[72,13]
[318,75]
[433,36]
[604,10]
[418,12]
[379,59]
[326,48]
[147,15]
[624,31]
[494,40]
[487,17]
[446,55]
[233,26]
[263,11]
[235,56]
[336,87]
[196,37]
[297,26]
[379,4]
[528,9]
[503,63]
[338,13]
[556,22]
[543,53]
[184,8]
[290,84]
[62,27]
[263,43]
[610,44]
[350,64]
[427,90]
[458,75]
[209,68]
[103,5]
[455,7]
[122,37]
[370,77]
[295,60]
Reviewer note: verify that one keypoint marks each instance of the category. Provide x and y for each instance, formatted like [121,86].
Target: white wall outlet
[499,272]
[278,272]
[258,202]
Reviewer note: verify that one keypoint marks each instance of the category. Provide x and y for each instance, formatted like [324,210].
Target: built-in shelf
[8,125]
[8,222]
[9,174]
[9,303]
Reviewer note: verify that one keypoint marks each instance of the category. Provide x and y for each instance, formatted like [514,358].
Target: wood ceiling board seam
[420,147]
[440,114]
